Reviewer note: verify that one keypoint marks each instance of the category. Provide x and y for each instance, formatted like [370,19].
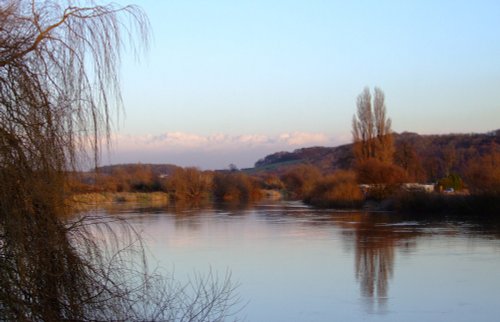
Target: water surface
[295,263]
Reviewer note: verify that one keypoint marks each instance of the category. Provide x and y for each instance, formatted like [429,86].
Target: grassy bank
[91,199]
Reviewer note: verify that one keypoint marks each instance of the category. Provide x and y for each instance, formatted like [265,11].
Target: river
[296,263]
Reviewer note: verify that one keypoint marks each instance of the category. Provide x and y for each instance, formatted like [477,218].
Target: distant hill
[426,157]
[435,154]
[326,158]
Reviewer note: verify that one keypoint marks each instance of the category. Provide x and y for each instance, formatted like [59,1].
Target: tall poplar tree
[371,128]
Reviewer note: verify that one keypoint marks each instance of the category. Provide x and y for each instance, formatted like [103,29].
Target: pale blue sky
[229,81]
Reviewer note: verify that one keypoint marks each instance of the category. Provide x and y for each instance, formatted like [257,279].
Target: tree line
[378,170]
[188,184]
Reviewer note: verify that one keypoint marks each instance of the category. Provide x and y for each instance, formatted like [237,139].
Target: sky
[228,82]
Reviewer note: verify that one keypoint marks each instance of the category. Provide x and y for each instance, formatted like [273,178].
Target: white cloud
[208,151]
[189,141]
[304,138]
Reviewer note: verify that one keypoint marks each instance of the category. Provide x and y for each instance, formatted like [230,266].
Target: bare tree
[363,126]
[384,141]
[59,83]
[371,128]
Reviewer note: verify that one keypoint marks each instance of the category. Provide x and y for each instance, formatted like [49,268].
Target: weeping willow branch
[59,63]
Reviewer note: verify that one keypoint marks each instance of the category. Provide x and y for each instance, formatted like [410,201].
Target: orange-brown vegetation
[181,184]
[235,186]
[373,171]
[371,128]
[189,184]
[300,180]
[373,146]
[483,174]
[450,161]
[132,178]
[339,189]
[139,178]
[407,158]
[384,178]
[477,170]
[272,182]
[426,158]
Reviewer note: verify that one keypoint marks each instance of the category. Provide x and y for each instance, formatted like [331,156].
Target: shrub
[272,182]
[483,174]
[235,186]
[337,190]
[189,184]
[300,180]
[384,178]
[452,181]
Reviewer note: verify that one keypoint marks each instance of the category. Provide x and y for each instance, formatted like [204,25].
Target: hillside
[429,156]
[425,157]
[326,158]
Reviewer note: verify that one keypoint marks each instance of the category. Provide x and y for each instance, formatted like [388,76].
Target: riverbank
[86,200]
[407,202]
[438,204]
[445,204]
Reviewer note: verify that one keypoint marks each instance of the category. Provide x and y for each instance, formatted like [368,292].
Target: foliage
[300,180]
[426,158]
[440,155]
[189,184]
[384,179]
[336,190]
[407,158]
[272,181]
[452,181]
[136,178]
[235,186]
[483,174]
[373,171]
[373,146]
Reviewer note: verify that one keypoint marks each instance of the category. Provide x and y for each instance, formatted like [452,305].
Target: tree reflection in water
[375,241]
[374,238]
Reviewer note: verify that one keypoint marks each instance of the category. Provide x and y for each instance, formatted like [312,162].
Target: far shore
[416,203]
[93,198]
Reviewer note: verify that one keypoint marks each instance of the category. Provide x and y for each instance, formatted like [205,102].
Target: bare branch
[371,129]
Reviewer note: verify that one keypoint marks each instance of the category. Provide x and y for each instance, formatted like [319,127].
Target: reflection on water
[297,263]
[376,240]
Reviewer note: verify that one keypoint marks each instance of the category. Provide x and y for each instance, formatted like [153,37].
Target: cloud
[208,151]
[179,141]
[304,138]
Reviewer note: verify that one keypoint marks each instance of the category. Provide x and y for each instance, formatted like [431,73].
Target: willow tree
[59,84]
[371,128]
